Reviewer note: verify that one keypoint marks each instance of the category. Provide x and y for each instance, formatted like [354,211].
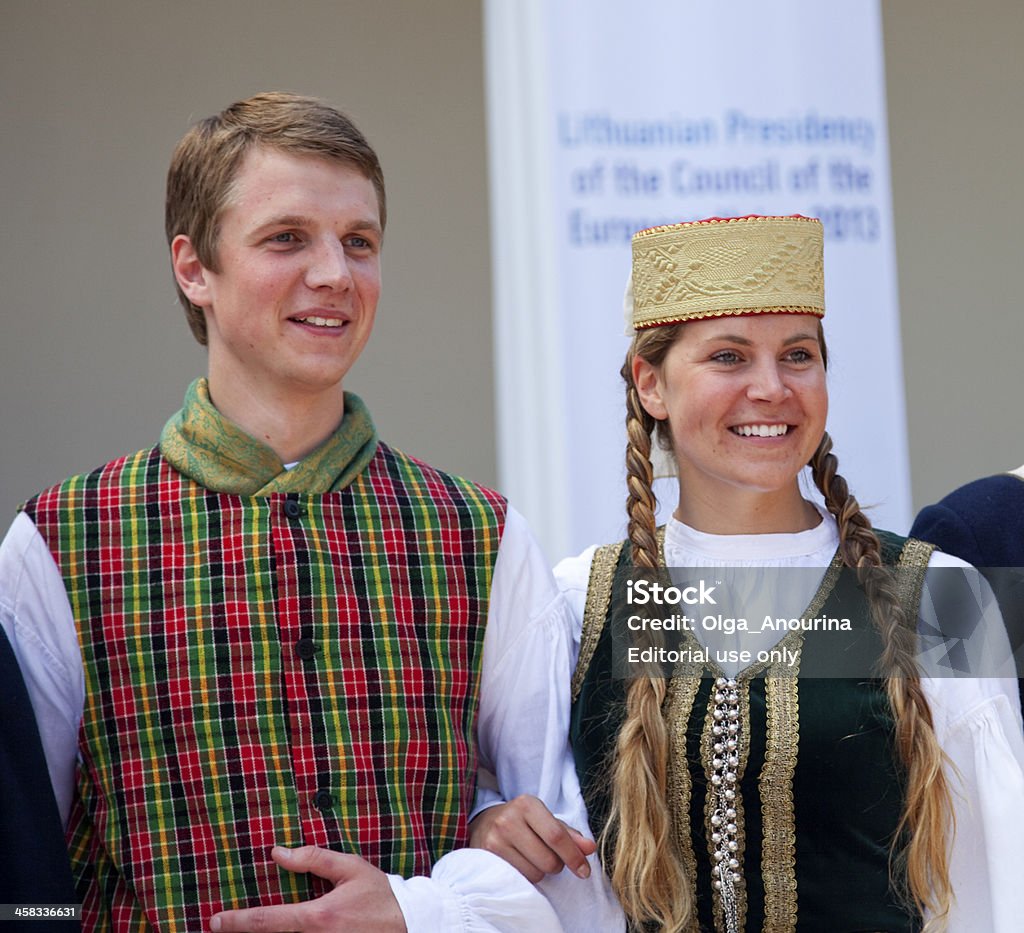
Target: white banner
[606,118]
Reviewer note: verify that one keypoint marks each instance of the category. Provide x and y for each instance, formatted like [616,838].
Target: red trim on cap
[726,220]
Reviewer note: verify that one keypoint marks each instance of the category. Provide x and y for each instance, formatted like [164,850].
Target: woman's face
[745,400]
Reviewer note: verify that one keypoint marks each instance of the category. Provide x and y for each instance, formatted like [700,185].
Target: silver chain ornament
[724,790]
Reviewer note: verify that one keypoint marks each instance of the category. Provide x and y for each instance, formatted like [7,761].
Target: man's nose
[329,266]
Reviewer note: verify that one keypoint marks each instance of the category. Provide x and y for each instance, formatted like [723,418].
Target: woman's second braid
[924,823]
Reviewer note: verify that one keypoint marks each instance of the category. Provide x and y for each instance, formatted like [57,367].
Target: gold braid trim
[682,691]
[599,596]
[782,701]
[910,570]
[778,846]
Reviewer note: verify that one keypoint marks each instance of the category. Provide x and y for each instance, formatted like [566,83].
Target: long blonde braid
[925,823]
[647,872]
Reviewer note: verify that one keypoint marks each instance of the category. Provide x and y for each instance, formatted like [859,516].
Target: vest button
[323,800]
[306,649]
[292,509]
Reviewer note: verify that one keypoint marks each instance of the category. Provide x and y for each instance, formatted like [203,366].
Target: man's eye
[359,242]
[283,238]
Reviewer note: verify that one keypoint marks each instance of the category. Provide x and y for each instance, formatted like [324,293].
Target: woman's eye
[726,356]
[801,355]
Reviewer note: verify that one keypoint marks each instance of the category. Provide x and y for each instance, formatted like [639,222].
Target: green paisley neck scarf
[203,445]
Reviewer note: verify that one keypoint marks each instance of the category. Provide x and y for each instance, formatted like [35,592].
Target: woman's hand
[527,836]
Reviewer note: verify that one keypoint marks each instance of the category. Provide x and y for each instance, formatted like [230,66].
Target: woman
[741,796]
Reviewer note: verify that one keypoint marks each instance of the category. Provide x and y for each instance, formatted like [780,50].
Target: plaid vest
[286,669]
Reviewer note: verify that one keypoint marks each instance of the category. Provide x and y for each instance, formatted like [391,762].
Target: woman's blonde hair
[646,869]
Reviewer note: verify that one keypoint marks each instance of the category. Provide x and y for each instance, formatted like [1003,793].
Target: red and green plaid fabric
[285,669]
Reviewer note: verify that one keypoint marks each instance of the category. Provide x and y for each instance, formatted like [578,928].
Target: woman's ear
[647,379]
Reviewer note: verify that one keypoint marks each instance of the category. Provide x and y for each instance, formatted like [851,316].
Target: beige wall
[956,118]
[95,352]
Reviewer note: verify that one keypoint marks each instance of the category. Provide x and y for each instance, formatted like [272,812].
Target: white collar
[682,541]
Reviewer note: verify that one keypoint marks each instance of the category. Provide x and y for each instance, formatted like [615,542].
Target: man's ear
[190,272]
[647,379]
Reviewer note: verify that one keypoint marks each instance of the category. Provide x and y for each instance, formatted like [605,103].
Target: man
[265,640]
[982,523]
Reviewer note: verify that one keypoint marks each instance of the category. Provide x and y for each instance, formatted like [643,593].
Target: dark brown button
[306,649]
[323,800]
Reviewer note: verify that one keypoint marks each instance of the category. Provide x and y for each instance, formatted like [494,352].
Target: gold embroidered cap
[722,266]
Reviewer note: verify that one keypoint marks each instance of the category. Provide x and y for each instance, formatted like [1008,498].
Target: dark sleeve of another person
[34,865]
[983,524]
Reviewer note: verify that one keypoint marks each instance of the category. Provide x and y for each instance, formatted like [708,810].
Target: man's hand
[527,836]
[361,899]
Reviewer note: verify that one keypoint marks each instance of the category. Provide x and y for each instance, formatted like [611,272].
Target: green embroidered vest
[820,792]
[287,668]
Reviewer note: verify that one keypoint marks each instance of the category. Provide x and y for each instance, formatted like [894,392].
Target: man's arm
[468,890]
[36,617]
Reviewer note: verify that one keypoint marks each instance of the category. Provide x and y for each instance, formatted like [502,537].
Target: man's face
[293,301]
